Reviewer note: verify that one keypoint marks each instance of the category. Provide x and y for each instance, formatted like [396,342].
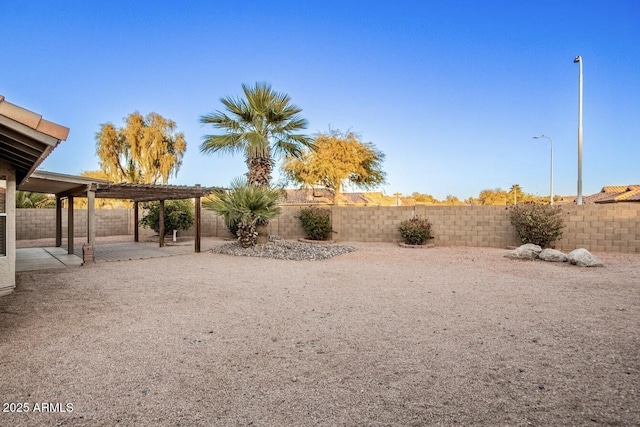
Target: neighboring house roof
[324,196]
[615,194]
[26,139]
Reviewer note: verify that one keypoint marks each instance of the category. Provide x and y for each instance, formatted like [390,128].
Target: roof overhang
[59,184]
[26,139]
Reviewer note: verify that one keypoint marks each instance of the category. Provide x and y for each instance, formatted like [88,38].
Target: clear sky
[451,91]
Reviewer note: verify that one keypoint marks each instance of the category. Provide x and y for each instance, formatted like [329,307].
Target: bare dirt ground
[380,336]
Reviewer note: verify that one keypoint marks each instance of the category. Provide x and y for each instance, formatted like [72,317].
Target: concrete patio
[49,257]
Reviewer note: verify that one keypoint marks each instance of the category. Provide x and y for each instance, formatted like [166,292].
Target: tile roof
[615,193]
[26,139]
[32,120]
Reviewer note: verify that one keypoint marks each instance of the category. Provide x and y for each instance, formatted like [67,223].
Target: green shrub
[536,223]
[178,215]
[415,231]
[316,222]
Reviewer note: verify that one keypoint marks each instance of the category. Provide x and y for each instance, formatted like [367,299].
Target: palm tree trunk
[259,171]
[260,175]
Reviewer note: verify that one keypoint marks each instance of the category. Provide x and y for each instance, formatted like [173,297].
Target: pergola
[70,186]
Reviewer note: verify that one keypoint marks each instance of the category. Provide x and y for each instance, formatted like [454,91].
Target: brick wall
[604,227]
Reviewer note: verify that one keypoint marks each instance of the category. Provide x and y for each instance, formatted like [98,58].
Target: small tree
[536,223]
[338,159]
[178,215]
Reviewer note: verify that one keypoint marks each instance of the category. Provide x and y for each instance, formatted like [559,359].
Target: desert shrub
[415,231]
[536,223]
[178,215]
[316,222]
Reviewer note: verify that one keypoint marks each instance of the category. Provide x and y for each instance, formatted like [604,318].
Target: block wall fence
[611,227]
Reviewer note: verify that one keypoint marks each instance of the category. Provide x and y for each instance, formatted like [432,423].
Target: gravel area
[381,336]
[285,249]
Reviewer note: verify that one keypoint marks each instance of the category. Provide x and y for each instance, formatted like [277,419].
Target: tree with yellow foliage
[145,151]
[339,159]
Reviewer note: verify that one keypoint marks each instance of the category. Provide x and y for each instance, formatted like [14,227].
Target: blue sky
[451,91]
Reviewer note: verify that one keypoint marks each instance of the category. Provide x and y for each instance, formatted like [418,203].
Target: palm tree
[262,126]
[26,199]
[516,193]
[247,208]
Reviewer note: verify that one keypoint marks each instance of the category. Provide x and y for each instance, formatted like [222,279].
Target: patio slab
[49,257]
[31,259]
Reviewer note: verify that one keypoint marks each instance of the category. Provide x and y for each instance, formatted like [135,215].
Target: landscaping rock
[406,245]
[526,251]
[283,249]
[552,255]
[583,258]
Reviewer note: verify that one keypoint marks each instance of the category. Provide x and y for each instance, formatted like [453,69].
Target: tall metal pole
[550,168]
[579,199]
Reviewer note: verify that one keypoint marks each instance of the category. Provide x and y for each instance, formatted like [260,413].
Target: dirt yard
[381,336]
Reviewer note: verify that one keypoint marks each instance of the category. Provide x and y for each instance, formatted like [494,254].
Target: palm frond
[261,124]
[231,144]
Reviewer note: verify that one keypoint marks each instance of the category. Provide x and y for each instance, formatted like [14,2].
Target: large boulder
[526,251]
[552,255]
[583,258]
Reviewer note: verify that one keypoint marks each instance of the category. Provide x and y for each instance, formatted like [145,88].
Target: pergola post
[136,235]
[91,216]
[70,237]
[198,226]
[87,248]
[161,223]
[58,221]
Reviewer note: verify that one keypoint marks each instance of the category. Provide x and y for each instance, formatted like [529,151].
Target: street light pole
[578,60]
[551,168]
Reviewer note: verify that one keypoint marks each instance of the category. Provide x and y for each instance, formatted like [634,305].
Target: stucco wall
[8,262]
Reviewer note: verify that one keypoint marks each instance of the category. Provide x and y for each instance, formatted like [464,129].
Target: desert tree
[146,150]
[338,159]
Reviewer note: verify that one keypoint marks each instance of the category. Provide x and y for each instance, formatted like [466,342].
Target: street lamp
[578,60]
[551,168]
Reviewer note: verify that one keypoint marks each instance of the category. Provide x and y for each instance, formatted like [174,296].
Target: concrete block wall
[469,225]
[109,222]
[287,225]
[36,224]
[41,223]
[451,225]
[212,225]
[369,224]
[603,227]
[611,227]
